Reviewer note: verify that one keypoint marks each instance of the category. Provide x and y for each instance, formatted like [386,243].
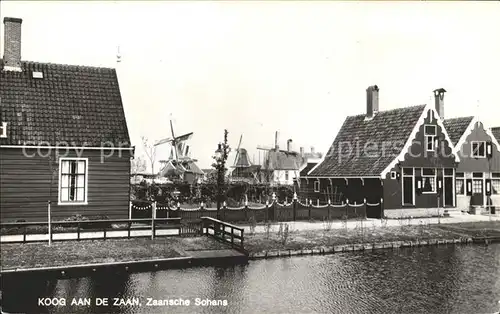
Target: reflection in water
[462,279]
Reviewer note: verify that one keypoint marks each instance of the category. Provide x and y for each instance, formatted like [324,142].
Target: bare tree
[150,150]
[137,165]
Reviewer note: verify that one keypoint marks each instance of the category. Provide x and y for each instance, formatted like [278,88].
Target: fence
[99,229]
[274,211]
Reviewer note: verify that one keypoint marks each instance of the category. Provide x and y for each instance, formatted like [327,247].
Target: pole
[49,223]
[153,217]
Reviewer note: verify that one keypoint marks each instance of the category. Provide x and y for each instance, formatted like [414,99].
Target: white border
[86,202]
[472,150]
[4,130]
[416,128]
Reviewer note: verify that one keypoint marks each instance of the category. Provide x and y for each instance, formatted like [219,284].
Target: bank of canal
[448,279]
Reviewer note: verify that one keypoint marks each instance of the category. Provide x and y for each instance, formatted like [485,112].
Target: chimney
[439,101]
[12,44]
[289,145]
[371,101]
[276,144]
[302,151]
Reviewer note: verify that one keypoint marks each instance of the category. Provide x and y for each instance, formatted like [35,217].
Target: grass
[31,255]
[301,240]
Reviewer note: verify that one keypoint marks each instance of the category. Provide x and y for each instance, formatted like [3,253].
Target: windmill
[179,151]
[179,160]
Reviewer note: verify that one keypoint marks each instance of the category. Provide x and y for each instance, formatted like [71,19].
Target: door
[448,192]
[373,192]
[408,190]
[477,198]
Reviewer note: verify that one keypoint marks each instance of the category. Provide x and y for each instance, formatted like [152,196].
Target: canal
[453,279]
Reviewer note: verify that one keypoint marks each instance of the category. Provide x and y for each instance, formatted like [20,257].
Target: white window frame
[434,188]
[432,136]
[85,201]
[472,149]
[403,175]
[3,127]
[462,179]
[316,187]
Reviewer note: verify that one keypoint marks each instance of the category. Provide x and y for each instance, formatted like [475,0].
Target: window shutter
[439,184]
[468,187]
[419,184]
[488,187]
[489,149]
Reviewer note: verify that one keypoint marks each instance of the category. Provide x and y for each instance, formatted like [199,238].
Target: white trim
[493,138]
[318,182]
[11,68]
[467,132]
[402,186]
[61,203]
[317,165]
[435,190]
[67,147]
[472,150]
[4,130]
[416,128]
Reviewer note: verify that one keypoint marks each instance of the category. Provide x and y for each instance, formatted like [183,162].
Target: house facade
[400,161]
[477,178]
[64,138]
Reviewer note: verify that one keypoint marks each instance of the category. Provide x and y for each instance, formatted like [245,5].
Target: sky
[255,68]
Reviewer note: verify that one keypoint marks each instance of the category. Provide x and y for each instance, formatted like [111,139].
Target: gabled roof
[496,133]
[306,168]
[391,126]
[282,160]
[456,127]
[78,105]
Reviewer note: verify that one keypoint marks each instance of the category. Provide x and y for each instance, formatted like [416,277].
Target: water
[461,279]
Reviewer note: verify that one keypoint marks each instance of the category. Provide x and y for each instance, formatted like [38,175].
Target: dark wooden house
[64,138]
[403,157]
[477,178]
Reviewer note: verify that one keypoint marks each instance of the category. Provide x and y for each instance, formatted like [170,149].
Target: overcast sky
[258,67]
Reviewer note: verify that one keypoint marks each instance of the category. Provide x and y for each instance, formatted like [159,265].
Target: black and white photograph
[250,157]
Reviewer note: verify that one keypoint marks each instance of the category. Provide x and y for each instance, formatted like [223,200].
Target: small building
[496,133]
[64,138]
[185,171]
[477,178]
[403,157]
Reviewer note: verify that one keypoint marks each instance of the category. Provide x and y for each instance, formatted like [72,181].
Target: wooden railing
[224,232]
[99,229]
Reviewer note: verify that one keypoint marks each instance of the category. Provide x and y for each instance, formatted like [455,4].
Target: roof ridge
[389,110]
[30,62]
[456,118]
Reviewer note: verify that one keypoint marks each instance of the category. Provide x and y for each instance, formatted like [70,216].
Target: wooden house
[403,157]
[64,138]
[477,178]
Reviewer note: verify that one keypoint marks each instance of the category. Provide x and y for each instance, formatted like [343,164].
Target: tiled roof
[282,160]
[386,127]
[79,105]
[496,133]
[307,168]
[456,127]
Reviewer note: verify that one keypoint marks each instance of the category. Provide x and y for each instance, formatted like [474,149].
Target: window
[477,187]
[316,186]
[478,149]
[73,180]
[430,136]
[429,180]
[460,183]
[495,186]
[3,130]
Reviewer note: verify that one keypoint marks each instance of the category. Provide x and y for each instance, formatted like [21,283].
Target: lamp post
[220,158]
